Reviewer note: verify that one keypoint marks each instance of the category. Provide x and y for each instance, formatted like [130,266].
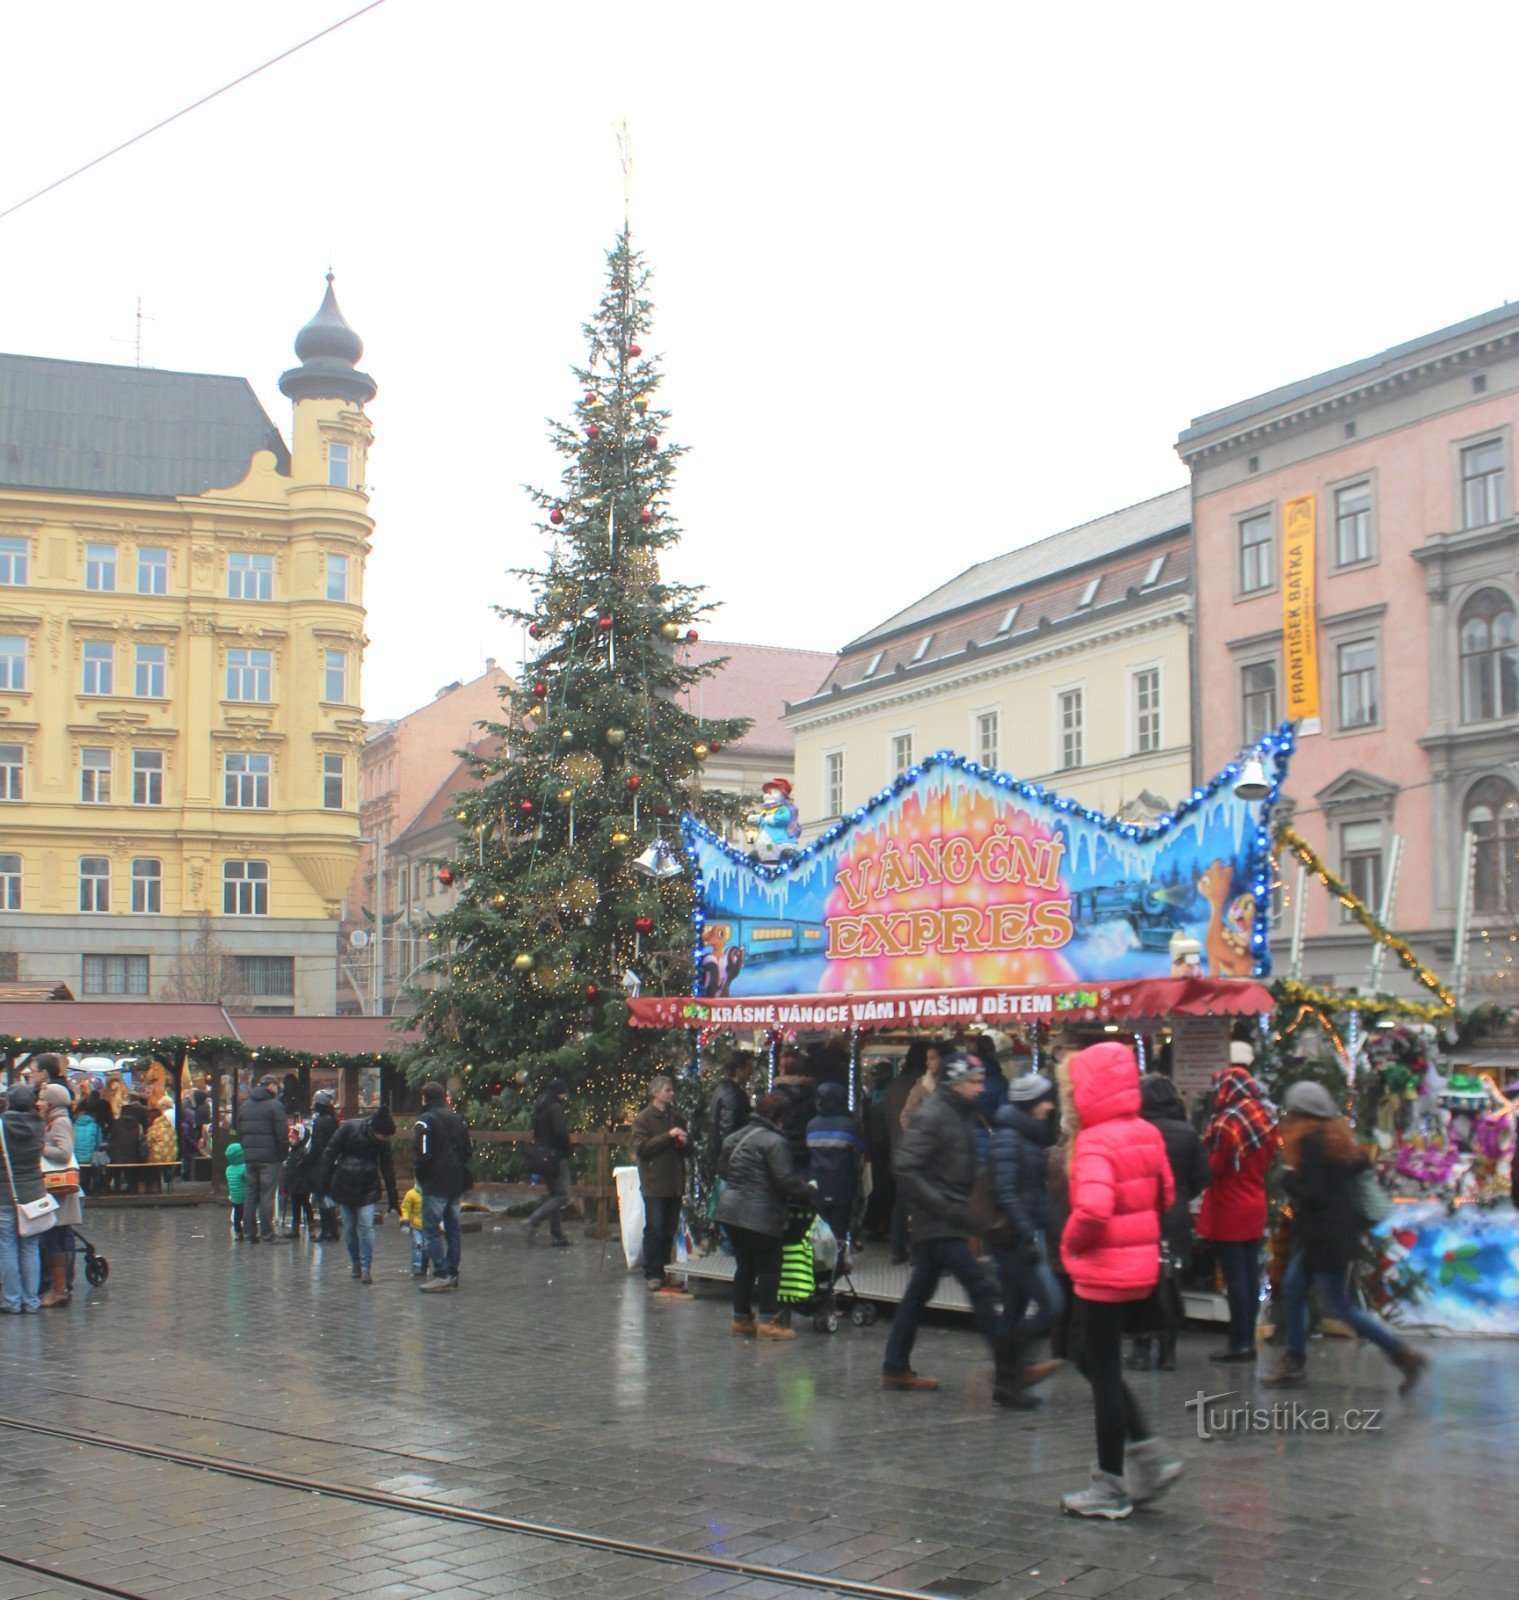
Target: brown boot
[907,1380]
[57,1291]
[1411,1364]
[774,1330]
[744,1327]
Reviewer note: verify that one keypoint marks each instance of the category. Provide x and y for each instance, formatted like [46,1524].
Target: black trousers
[757,1272]
[1099,1359]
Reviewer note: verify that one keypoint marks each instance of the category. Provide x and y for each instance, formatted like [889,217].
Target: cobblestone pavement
[551,1389]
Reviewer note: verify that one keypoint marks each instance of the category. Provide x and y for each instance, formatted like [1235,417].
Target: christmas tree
[570,887]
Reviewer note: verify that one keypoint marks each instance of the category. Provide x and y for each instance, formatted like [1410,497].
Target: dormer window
[1089,594]
[875,662]
[338,461]
[1005,627]
[1156,567]
[923,645]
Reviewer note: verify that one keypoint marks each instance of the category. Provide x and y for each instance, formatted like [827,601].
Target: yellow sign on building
[1300,645]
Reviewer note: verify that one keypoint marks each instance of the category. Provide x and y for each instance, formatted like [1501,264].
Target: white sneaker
[1150,1467]
[1107,1497]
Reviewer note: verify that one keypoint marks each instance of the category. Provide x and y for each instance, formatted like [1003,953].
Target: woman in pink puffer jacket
[1120,1187]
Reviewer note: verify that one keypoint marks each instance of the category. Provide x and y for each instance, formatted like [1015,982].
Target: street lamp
[377,967]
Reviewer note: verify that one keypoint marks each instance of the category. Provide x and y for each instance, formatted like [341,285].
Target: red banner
[936,1009]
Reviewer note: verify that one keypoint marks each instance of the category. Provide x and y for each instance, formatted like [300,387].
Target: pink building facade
[1409,459]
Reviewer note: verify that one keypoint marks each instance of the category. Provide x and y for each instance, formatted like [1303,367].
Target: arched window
[1489,657]
[1492,815]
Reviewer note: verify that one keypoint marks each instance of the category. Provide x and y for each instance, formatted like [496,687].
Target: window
[1089,594]
[245,888]
[11,775]
[875,662]
[152,570]
[265,975]
[10,883]
[100,566]
[99,667]
[335,677]
[250,675]
[12,661]
[115,974]
[1489,657]
[1352,524]
[901,753]
[332,783]
[147,778]
[1483,496]
[246,781]
[147,885]
[337,577]
[988,731]
[1010,616]
[250,577]
[1361,864]
[833,783]
[1147,711]
[94,883]
[1492,815]
[338,458]
[148,671]
[1071,740]
[923,645]
[1257,554]
[1360,705]
[1154,570]
[95,777]
[1258,713]
[13,561]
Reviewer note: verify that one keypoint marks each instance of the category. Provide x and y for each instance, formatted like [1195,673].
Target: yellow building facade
[181,638]
[1066,663]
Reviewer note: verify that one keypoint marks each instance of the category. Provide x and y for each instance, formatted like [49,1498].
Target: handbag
[985,1216]
[1372,1201]
[32,1216]
[61,1178]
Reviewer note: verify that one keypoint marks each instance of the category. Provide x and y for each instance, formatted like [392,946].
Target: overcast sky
[931,282]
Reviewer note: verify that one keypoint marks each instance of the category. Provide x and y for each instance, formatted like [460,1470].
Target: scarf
[1240,1116]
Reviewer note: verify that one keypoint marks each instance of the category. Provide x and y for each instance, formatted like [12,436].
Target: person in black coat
[800,1093]
[263,1130]
[440,1157]
[551,1135]
[728,1112]
[1161,1104]
[357,1162]
[324,1127]
[127,1143]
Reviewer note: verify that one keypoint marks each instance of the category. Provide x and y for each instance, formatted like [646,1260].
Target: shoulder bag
[32,1216]
[61,1178]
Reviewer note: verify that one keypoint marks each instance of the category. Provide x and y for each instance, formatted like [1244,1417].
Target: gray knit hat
[1309,1099]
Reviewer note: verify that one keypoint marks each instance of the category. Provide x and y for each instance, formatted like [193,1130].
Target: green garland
[176,1046]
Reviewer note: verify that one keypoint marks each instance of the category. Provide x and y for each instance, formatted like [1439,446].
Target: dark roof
[1396,355]
[74,427]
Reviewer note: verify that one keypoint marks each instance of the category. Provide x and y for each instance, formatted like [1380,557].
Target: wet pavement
[551,1389]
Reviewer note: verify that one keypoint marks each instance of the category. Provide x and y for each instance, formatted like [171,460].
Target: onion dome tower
[329,352]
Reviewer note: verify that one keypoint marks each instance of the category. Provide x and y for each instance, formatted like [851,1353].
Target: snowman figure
[777,823]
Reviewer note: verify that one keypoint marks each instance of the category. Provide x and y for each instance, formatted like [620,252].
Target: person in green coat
[237,1186]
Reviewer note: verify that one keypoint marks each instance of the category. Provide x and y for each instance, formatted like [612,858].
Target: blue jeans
[358,1230]
[418,1251]
[440,1234]
[1334,1295]
[20,1265]
[1240,1261]
[930,1261]
[1021,1281]
[661,1223]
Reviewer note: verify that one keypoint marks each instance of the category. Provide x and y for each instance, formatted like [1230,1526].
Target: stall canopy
[963,895]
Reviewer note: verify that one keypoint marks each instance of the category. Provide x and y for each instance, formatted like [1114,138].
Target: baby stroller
[815,1265]
[96,1268]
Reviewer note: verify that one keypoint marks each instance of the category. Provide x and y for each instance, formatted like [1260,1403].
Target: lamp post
[377,966]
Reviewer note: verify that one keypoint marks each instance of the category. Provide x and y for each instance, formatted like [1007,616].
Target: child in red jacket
[1120,1187]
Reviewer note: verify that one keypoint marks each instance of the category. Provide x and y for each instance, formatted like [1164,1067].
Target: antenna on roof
[136,340]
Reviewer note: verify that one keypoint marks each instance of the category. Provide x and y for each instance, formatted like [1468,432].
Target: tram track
[435,1510]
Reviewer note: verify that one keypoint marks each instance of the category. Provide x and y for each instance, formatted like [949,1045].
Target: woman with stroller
[760,1185]
[57,1244]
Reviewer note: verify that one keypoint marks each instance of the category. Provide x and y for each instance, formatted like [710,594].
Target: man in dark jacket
[551,1135]
[936,1170]
[440,1160]
[659,1141]
[263,1131]
[883,1186]
[1161,1104]
[914,1065]
[357,1161]
[801,1094]
[324,1125]
[1023,1133]
[728,1112]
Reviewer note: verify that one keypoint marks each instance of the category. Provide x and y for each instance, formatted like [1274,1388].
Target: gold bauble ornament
[522,961]
[615,736]
[535,710]
[565,796]
[700,751]
[619,838]
[670,631]
[498,899]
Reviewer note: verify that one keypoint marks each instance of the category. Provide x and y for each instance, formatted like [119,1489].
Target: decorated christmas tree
[571,889]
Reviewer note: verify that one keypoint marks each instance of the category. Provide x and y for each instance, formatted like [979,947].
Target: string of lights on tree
[570,895]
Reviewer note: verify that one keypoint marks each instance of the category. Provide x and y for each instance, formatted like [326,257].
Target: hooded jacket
[835,1148]
[936,1166]
[236,1174]
[87,1135]
[23,1144]
[551,1130]
[1161,1106]
[1020,1163]
[263,1128]
[1120,1181]
[760,1180]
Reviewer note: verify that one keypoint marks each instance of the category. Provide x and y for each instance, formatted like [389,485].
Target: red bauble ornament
[590,397]
[605,624]
[635,782]
[556,516]
[526,807]
[715,746]
[534,631]
[592,431]
[651,443]
[635,350]
[497,1087]
[661,811]
[445,876]
[643,924]
[540,689]
[692,636]
[645,515]
[591,991]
